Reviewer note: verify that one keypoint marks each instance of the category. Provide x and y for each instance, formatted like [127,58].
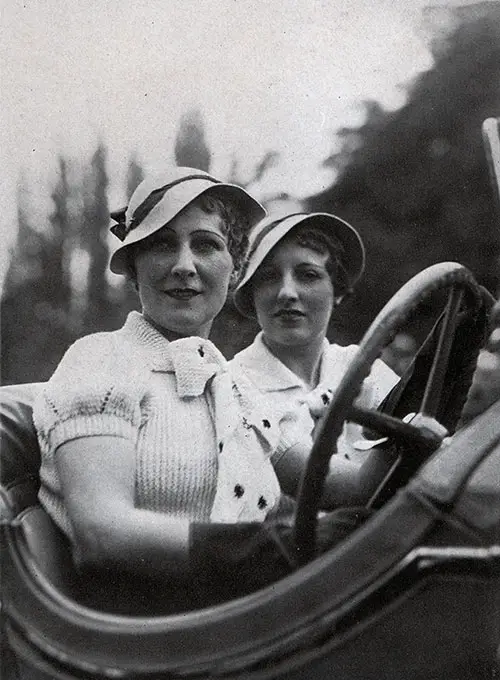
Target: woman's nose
[184,264]
[288,289]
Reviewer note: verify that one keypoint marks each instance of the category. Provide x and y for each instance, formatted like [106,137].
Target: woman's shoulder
[339,355]
[263,369]
[97,379]
[97,353]
[250,354]
[334,353]
[101,342]
[97,364]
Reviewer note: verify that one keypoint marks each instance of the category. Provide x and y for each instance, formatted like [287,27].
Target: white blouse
[285,392]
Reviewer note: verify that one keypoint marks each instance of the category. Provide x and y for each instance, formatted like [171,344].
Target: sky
[281,75]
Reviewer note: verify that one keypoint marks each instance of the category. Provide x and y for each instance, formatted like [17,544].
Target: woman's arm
[98,478]
[342,484]
[347,482]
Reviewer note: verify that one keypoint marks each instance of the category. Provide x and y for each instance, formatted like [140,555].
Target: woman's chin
[290,338]
[182,326]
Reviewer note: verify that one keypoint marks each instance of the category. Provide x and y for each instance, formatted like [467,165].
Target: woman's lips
[289,313]
[182,293]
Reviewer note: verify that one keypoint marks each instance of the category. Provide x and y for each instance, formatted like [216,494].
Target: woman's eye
[208,245]
[156,246]
[309,274]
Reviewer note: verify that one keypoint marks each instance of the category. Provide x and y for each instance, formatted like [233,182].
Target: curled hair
[235,224]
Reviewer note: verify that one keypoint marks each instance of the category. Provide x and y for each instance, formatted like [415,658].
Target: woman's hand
[319,404]
[427,426]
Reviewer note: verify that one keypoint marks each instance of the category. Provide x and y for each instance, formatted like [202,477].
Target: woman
[298,269]
[141,430]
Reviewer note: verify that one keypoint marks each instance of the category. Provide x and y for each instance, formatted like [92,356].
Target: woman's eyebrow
[210,232]
[168,230]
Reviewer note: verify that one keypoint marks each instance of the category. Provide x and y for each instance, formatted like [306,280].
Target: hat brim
[179,198]
[353,258]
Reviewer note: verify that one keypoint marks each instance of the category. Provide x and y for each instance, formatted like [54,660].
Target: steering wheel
[463,294]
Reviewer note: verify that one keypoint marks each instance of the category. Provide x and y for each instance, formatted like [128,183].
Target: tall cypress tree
[191,148]
[135,175]
[36,327]
[94,239]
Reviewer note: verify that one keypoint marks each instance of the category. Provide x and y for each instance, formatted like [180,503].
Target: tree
[191,148]
[122,295]
[25,263]
[36,325]
[135,175]
[94,239]
[56,261]
[415,181]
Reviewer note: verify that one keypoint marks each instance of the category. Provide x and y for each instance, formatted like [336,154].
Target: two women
[157,459]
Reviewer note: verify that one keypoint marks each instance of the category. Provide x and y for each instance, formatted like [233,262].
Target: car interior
[412,593]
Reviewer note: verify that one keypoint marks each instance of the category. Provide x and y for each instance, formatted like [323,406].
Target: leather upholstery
[20,453]
[19,483]
[44,594]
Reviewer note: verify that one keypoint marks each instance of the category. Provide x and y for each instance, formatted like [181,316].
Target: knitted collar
[194,360]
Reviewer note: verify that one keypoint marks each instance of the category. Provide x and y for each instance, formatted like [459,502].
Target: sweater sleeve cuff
[90,426]
[286,443]
[283,445]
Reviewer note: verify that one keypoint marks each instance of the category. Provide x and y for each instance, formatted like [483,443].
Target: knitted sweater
[202,449]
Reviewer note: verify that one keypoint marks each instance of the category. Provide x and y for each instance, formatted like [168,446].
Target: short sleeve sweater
[134,384]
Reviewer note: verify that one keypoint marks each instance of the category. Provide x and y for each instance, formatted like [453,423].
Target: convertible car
[413,593]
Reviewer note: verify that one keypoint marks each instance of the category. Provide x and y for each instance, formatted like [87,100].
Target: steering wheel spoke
[434,387]
[389,426]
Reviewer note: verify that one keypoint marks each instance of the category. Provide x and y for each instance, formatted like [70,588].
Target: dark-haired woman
[298,269]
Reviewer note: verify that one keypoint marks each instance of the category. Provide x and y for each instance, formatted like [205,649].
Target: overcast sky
[278,75]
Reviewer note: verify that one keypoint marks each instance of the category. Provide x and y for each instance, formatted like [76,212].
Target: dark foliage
[415,181]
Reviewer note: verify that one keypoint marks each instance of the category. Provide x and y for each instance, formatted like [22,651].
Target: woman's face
[293,295]
[182,273]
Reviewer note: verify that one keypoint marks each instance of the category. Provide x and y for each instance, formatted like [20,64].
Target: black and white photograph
[250,340]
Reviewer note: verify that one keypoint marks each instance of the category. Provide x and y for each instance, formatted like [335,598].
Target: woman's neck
[171,335]
[304,361]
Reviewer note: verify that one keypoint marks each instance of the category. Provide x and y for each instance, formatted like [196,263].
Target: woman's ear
[345,295]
